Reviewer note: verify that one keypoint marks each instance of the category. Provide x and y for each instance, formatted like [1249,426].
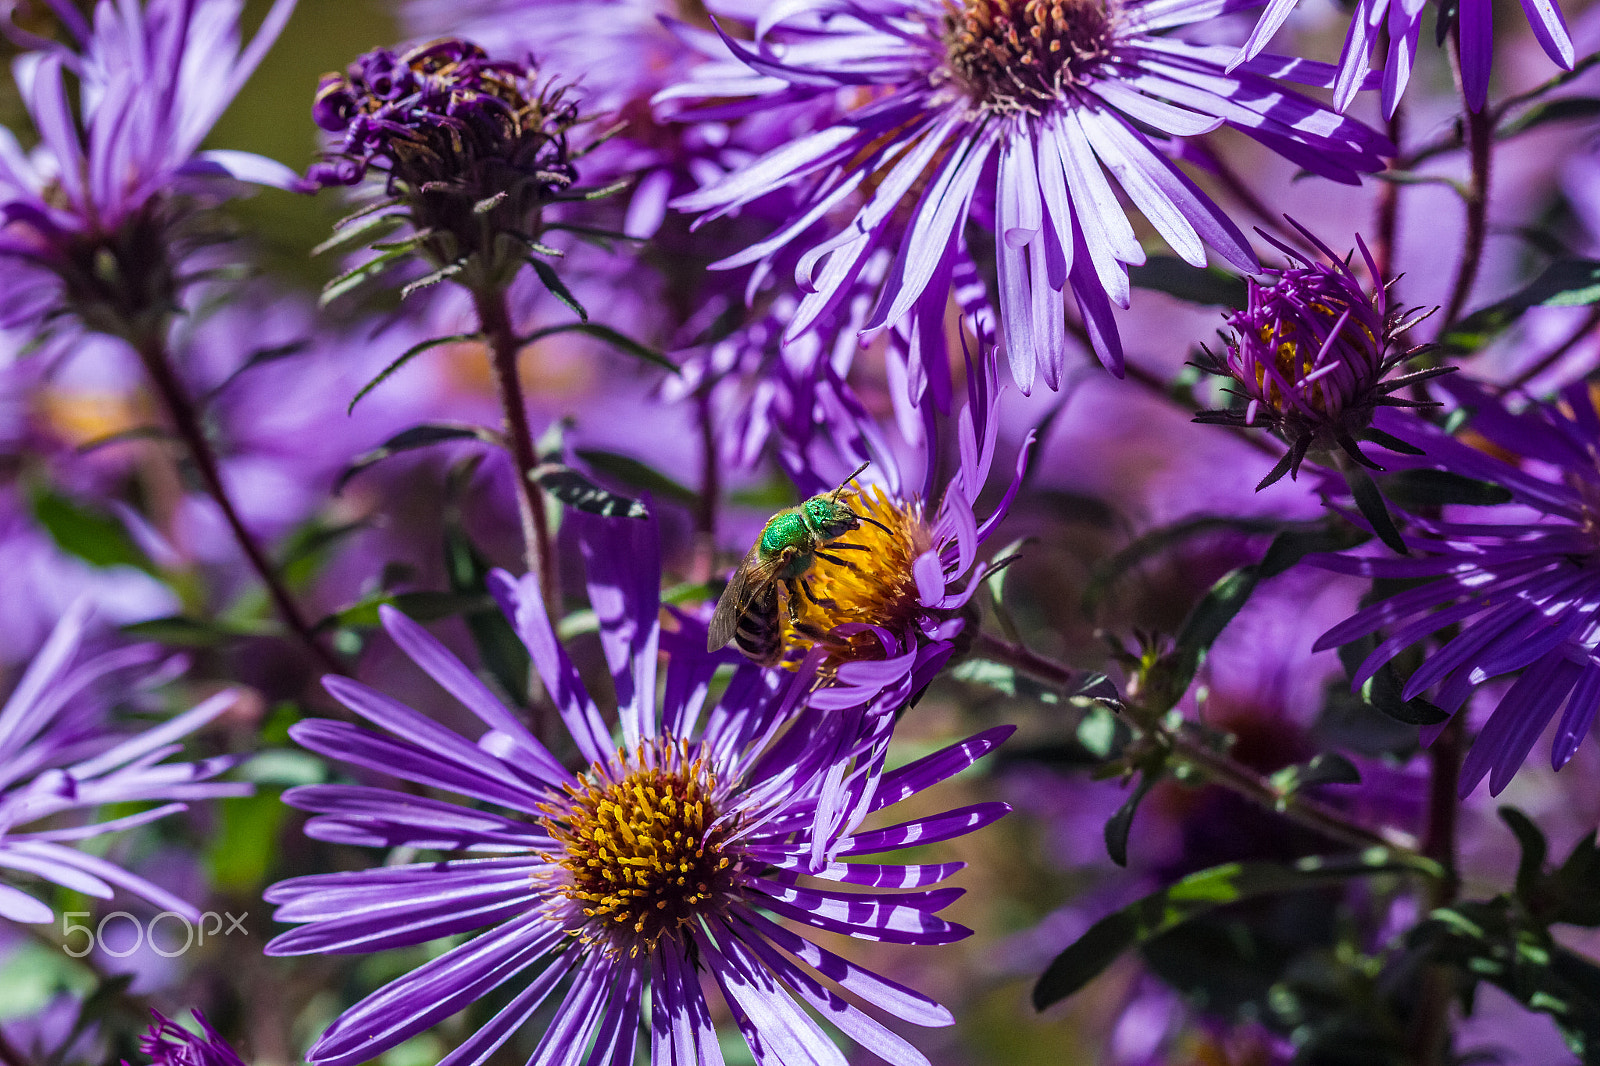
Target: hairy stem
[1480,144]
[1214,766]
[185,418]
[1430,1029]
[494,318]
[1389,206]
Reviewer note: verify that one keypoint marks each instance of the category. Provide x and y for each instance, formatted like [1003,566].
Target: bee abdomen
[759,634]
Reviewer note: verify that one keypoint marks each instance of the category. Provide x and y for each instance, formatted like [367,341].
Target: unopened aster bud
[473,148]
[1310,355]
[169,1044]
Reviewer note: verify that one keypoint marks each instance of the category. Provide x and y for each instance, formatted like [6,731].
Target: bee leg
[825,603]
[837,561]
[837,547]
[821,636]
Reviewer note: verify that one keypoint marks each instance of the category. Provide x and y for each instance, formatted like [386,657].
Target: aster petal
[623,565]
[771,1023]
[443,744]
[484,1041]
[108,872]
[359,747]
[1475,20]
[835,1009]
[524,606]
[578,1015]
[1579,716]
[399,919]
[453,676]
[906,781]
[446,984]
[945,826]
[1516,723]
[683,1013]
[897,918]
[17,906]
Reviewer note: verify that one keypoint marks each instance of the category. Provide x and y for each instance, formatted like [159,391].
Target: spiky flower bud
[1309,357]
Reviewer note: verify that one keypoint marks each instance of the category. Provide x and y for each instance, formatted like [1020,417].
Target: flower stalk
[494,319]
[1214,766]
[1480,146]
[185,419]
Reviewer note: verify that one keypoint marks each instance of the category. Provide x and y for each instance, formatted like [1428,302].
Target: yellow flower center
[641,854]
[1017,55]
[1295,361]
[875,586]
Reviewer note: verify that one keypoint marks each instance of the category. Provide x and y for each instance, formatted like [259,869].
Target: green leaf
[1369,501]
[361,228]
[1530,866]
[1564,283]
[574,489]
[260,357]
[1196,894]
[1207,286]
[1382,691]
[1121,823]
[358,275]
[558,288]
[444,273]
[421,436]
[424,606]
[1414,489]
[623,343]
[406,357]
[642,476]
[181,632]
[96,537]
[1328,768]
[500,650]
[1562,109]
[1574,886]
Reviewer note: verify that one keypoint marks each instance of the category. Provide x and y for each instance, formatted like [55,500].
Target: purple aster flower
[102,206]
[59,763]
[661,865]
[1014,107]
[1522,589]
[170,1044]
[889,616]
[1309,355]
[1402,19]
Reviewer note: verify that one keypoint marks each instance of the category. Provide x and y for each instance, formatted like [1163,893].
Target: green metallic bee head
[829,518]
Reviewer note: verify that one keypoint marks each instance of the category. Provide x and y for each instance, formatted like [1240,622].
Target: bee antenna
[874,521]
[852,477]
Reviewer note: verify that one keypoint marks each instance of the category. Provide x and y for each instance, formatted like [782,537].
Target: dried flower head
[1309,355]
[473,148]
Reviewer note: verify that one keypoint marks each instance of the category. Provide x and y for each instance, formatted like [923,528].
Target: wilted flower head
[660,866]
[473,148]
[1309,355]
[947,111]
[1521,590]
[61,764]
[169,1044]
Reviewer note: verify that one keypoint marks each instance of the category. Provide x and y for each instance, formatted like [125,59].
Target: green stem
[1214,766]
[1389,205]
[1430,1030]
[494,318]
[185,418]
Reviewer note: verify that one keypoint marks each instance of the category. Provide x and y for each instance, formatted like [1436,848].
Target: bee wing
[754,576]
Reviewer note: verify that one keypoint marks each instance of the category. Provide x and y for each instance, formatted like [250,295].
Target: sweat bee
[748,610]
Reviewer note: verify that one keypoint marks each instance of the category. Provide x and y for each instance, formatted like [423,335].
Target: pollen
[875,586]
[642,849]
[1020,55]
